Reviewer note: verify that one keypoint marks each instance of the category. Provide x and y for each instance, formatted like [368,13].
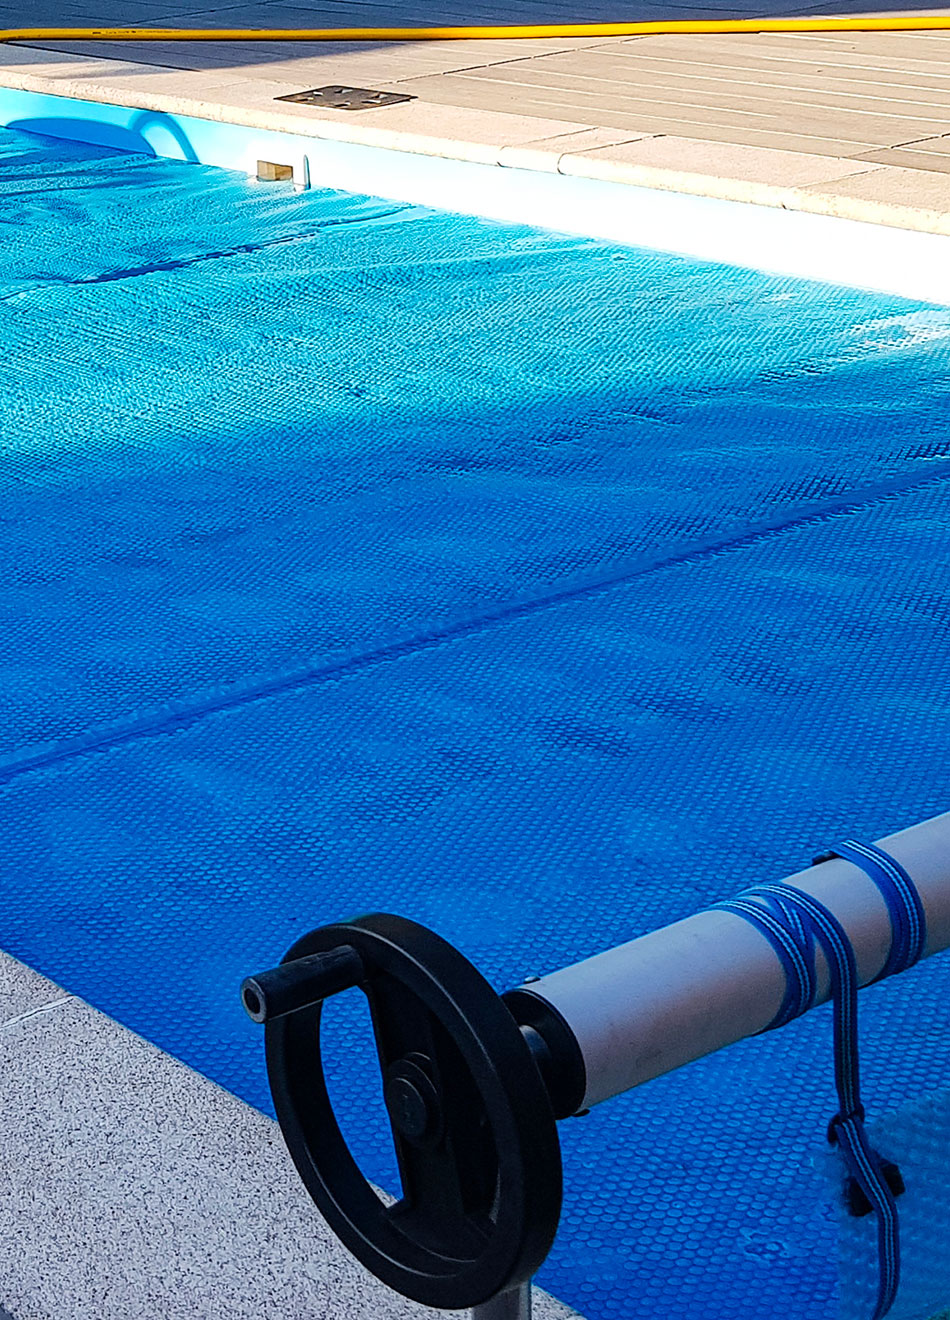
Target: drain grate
[346,98]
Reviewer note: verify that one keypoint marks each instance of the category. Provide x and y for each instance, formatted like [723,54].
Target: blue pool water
[356,556]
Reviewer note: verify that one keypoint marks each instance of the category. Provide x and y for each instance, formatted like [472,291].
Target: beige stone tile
[464,91]
[928,46]
[57,64]
[916,189]
[440,130]
[804,62]
[174,55]
[907,158]
[450,126]
[158,82]
[390,62]
[907,199]
[495,51]
[794,84]
[866,123]
[792,50]
[73,69]
[935,146]
[713,87]
[824,62]
[250,56]
[852,99]
[639,121]
[350,68]
[927,154]
[684,156]
[524,47]
[801,142]
[253,60]
[546,153]
[899,198]
[261,97]
[185,55]
[12,56]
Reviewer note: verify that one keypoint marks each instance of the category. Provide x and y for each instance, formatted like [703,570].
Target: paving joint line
[25,1017]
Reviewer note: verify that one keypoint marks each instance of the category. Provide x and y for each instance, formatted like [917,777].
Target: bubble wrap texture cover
[355,556]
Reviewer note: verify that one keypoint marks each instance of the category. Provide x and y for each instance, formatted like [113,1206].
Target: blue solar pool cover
[356,556]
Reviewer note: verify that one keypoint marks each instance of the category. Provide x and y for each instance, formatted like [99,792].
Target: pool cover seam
[35,757]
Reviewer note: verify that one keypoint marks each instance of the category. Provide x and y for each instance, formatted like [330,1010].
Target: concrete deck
[133,1188]
[856,126]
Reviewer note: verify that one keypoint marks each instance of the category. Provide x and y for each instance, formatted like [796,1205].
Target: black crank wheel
[471,1118]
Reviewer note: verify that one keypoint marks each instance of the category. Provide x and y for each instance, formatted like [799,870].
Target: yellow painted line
[887,23]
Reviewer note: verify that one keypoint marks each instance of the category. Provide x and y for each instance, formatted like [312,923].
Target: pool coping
[786,219]
[134,1186]
[771,177]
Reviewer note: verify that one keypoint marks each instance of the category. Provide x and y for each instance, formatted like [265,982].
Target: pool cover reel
[473,1083]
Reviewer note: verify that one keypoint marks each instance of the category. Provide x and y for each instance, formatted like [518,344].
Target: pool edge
[790,231]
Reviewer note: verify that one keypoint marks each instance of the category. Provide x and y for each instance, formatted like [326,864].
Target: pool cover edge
[782,230]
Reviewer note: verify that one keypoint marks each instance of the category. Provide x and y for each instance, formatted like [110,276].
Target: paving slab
[931,154]
[23,992]
[835,96]
[888,191]
[134,1187]
[547,153]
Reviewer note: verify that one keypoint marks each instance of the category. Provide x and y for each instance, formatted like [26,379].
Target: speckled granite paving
[134,1188]
[859,124]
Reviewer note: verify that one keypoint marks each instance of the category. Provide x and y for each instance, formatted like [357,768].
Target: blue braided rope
[793,949]
[906,911]
[864,1165]
[795,923]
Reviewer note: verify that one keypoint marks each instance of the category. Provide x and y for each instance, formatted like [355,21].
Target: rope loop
[904,906]
[796,924]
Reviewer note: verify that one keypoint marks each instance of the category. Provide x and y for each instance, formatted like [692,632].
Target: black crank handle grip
[301,983]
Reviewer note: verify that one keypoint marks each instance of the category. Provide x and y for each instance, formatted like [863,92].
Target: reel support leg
[514,1304]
